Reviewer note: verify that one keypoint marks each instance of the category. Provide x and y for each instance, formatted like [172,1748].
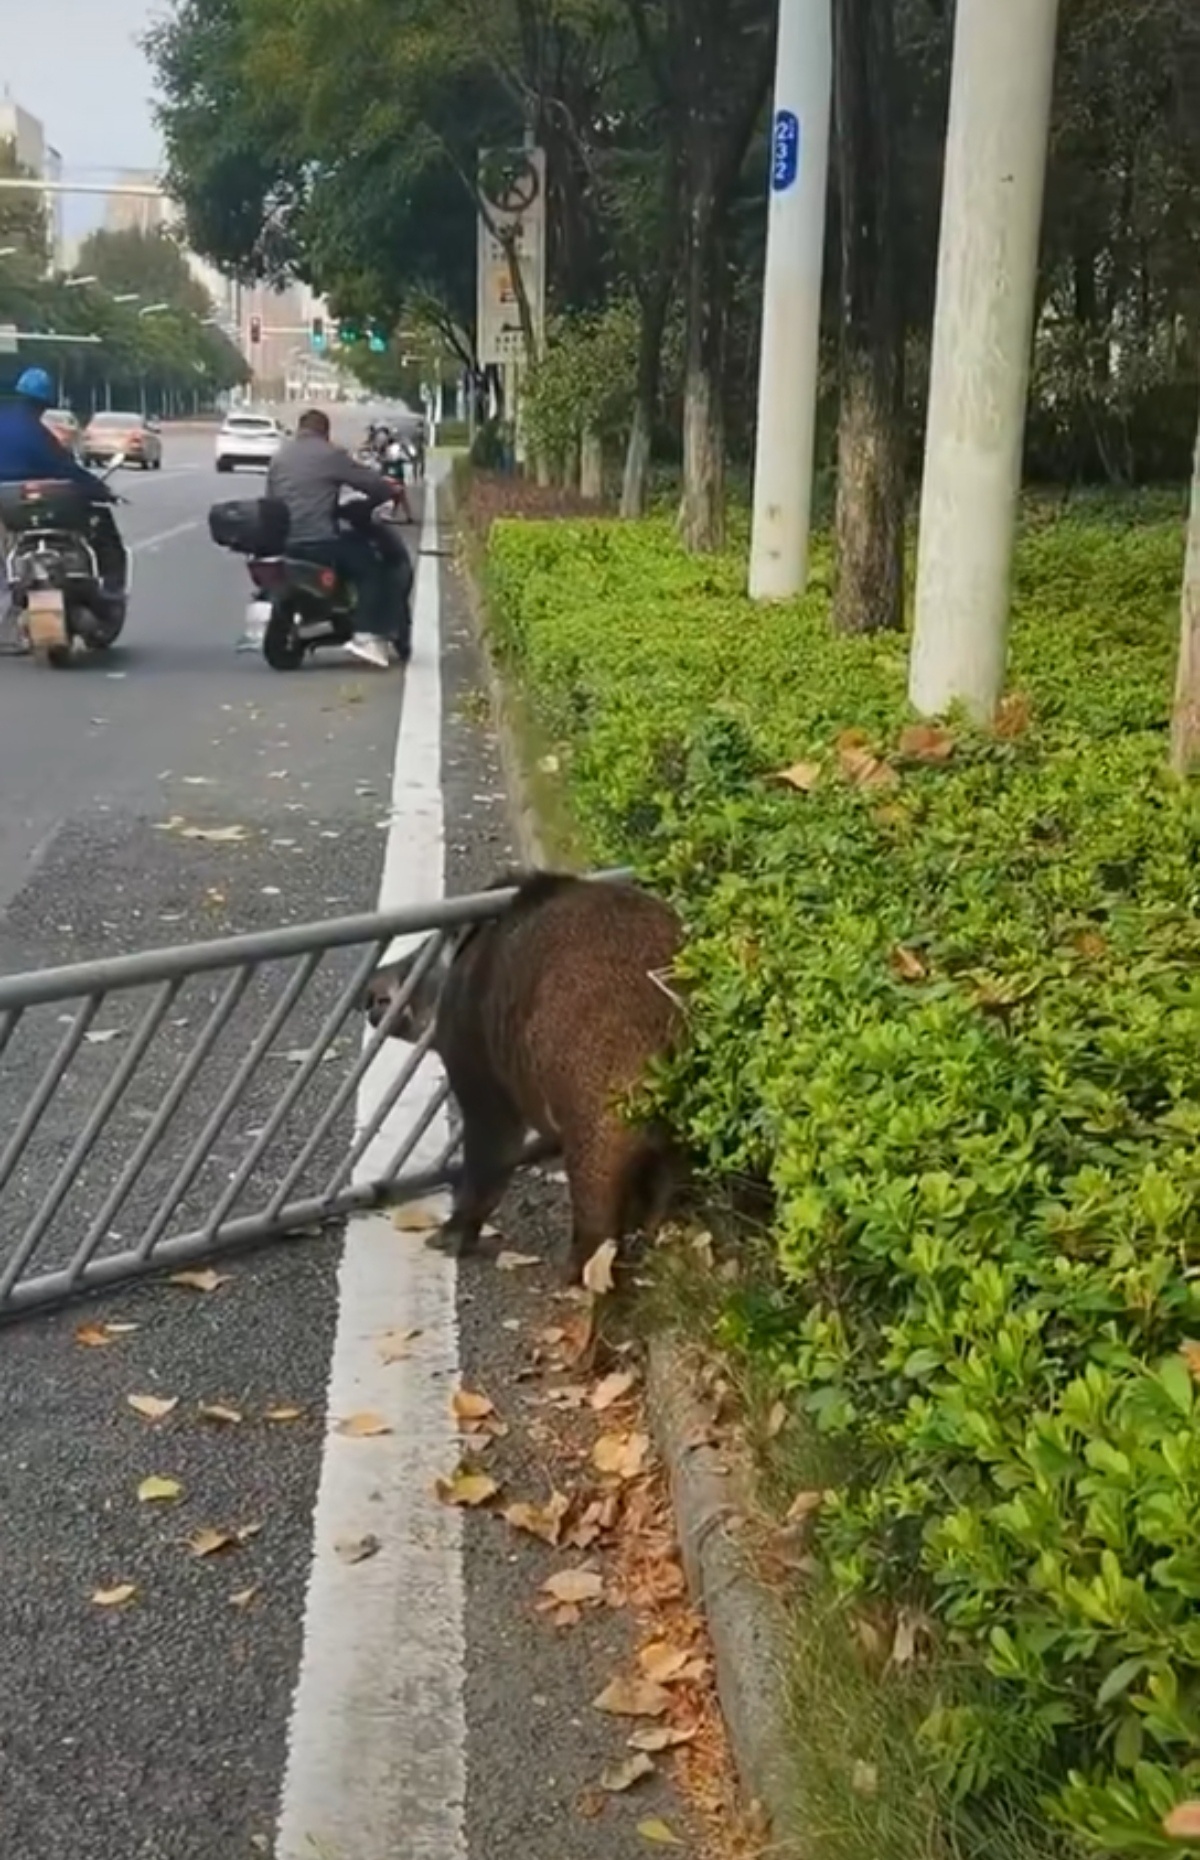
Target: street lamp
[75,284]
[124,297]
[152,309]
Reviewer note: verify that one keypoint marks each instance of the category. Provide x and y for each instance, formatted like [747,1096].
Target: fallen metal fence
[159,1108]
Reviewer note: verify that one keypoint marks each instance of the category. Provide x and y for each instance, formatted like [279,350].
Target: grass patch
[946,1007]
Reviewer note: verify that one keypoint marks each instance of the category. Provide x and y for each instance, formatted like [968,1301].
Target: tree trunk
[871,438]
[702,512]
[635,486]
[1185,720]
[591,466]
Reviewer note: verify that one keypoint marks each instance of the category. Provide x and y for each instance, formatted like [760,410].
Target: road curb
[711,1489]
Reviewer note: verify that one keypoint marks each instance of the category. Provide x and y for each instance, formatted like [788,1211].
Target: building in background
[145,213]
[28,138]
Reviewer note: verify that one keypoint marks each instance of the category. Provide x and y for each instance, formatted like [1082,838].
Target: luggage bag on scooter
[250,525]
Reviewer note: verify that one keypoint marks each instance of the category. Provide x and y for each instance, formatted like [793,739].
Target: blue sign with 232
[785,150]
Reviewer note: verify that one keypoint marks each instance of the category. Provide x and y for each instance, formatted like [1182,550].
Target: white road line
[147,543]
[377,1748]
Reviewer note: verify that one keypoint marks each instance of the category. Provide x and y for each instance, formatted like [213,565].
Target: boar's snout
[379,994]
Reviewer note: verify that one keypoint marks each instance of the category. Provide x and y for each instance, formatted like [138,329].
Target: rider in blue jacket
[28,449]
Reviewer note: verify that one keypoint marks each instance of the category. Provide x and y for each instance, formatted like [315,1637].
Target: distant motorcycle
[308,604]
[55,582]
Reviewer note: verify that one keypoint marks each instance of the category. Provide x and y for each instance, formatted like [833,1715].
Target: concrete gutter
[711,1486]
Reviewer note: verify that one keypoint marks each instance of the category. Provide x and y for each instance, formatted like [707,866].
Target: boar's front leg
[493,1138]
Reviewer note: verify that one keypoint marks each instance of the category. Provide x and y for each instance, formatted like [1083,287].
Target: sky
[76,65]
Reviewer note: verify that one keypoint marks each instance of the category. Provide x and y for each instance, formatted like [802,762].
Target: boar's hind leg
[493,1138]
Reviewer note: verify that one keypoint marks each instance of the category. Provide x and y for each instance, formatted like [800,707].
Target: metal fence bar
[375,1123]
[8,1026]
[359,1070]
[288,1098]
[150,1022]
[223,1009]
[414,1136]
[219,1115]
[48,1084]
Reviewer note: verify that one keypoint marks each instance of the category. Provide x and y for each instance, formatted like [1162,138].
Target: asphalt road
[158,1729]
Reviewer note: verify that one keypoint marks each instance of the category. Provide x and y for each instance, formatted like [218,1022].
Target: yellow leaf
[598,1273]
[1183,1822]
[466,1406]
[611,1390]
[242,1598]
[152,1407]
[804,1505]
[393,1345]
[214,1411]
[155,1488]
[633,1698]
[113,1598]
[513,1262]
[283,1414]
[657,1831]
[415,1219]
[574,1586]
[621,1776]
[357,1549]
[621,1456]
[205,1280]
[541,1521]
[95,1336]
[802,776]
[466,1487]
[776,1419]
[364,1425]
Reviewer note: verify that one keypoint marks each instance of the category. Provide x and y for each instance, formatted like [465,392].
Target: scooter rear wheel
[282,647]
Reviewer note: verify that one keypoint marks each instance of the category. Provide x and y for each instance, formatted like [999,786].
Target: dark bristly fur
[545,1018]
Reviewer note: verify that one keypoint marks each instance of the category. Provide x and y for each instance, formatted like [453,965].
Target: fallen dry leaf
[95,1336]
[541,1521]
[663,1663]
[574,1586]
[621,1456]
[113,1598]
[598,1273]
[209,1540]
[776,1419]
[802,776]
[357,1549]
[283,1414]
[467,1406]
[1183,1821]
[415,1219]
[654,1737]
[466,1487]
[362,1426]
[612,1389]
[907,964]
[155,1488]
[242,1598]
[804,1505]
[395,1345]
[153,1407]
[657,1831]
[216,836]
[633,1698]
[926,742]
[866,770]
[102,1035]
[215,1411]
[864,1779]
[513,1262]
[204,1280]
[623,1775]
[1014,715]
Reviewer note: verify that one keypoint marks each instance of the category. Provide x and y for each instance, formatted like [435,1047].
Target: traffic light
[348,334]
[256,329]
[378,339]
[318,332]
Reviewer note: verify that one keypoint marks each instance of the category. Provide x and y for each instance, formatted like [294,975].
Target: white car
[247,439]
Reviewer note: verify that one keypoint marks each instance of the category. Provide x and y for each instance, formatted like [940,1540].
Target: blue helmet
[35,384]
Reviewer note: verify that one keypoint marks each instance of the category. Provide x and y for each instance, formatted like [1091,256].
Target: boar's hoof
[454,1240]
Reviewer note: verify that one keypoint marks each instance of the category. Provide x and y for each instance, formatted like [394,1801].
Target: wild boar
[545,1018]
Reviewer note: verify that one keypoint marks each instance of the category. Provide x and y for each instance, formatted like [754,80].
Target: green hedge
[947,1001]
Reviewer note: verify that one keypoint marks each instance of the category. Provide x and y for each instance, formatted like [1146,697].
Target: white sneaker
[371,650]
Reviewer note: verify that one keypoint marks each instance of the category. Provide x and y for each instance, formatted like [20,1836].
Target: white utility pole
[996,147]
[791,317]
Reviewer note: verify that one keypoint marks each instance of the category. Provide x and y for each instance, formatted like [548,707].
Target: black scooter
[310,604]
[57,589]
